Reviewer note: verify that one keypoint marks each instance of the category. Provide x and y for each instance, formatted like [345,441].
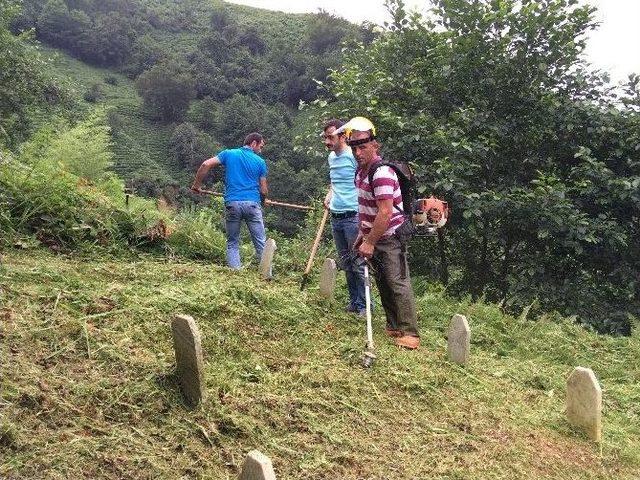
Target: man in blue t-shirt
[342,202]
[245,178]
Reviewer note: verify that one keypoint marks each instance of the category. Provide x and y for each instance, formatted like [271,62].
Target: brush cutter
[314,248]
[429,215]
[369,354]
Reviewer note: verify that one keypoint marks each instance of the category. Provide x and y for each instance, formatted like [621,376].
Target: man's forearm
[380,225]
[201,174]
[264,188]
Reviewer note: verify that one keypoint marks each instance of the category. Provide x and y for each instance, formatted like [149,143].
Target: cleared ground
[87,389]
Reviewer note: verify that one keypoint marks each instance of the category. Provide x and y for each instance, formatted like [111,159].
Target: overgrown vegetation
[537,156]
[492,102]
[225,69]
[26,90]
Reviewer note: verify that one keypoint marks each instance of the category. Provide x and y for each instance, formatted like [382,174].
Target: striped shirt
[385,187]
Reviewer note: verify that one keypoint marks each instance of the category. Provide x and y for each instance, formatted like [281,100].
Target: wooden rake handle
[316,242]
[267,201]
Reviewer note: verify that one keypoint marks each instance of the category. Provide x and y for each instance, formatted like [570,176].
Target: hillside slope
[87,390]
[140,145]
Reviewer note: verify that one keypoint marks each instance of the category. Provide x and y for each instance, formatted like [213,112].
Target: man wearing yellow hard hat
[381,213]
[342,202]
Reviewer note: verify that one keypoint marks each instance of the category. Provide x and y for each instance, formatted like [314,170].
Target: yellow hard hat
[359,124]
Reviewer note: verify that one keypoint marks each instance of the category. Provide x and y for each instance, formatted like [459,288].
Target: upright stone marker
[257,467]
[328,278]
[266,268]
[584,402]
[459,340]
[189,363]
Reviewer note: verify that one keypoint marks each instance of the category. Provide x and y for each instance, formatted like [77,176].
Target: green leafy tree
[146,53]
[113,37]
[492,102]
[238,116]
[326,32]
[191,146]
[167,89]
[55,22]
[26,89]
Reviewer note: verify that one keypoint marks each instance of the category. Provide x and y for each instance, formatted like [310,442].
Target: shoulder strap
[372,170]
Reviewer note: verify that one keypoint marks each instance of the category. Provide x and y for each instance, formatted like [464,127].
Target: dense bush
[190,146]
[26,88]
[198,235]
[42,201]
[539,159]
[94,94]
[111,80]
[60,191]
[167,90]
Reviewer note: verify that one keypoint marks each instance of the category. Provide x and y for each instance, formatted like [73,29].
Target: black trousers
[394,285]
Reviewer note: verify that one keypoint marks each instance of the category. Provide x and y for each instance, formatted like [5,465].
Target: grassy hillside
[87,388]
[241,69]
[140,145]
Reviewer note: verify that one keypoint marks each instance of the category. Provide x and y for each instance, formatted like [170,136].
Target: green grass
[87,389]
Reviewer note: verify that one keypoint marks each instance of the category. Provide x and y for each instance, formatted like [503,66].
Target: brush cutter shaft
[367,296]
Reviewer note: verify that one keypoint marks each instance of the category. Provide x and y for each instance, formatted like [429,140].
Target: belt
[340,215]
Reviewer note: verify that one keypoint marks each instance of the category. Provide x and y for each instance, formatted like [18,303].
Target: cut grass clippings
[87,385]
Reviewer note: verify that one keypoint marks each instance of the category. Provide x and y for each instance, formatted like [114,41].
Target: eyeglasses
[332,135]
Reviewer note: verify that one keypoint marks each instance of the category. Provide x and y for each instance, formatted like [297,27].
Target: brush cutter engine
[429,214]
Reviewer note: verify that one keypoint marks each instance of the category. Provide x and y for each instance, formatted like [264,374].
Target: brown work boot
[392,332]
[407,341]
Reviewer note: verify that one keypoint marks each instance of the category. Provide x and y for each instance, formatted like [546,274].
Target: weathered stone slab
[584,402]
[328,278]
[189,364]
[257,467]
[459,340]
[266,262]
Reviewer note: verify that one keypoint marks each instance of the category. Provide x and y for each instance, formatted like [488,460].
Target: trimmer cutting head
[368,359]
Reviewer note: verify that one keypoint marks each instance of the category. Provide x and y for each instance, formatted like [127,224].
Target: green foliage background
[225,69]
[492,101]
[538,157]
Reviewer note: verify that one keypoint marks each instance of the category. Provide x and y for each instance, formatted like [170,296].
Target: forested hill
[187,78]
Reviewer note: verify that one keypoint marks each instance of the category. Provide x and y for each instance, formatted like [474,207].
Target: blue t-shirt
[342,172]
[243,169]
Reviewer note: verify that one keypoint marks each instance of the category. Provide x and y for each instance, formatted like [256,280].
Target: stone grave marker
[328,278]
[189,363]
[266,262]
[459,340]
[584,402]
[257,466]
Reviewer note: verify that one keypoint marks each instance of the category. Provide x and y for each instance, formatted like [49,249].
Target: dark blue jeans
[251,213]
[345,231]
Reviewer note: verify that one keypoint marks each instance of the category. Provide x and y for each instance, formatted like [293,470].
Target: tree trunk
[444,266]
